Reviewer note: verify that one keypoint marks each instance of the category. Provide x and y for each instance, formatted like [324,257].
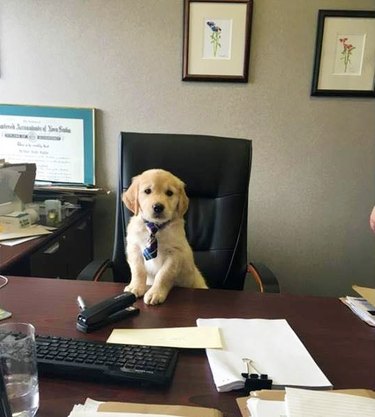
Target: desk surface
[342,345]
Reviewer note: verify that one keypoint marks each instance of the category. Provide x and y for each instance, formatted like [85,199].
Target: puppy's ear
[130,196]
[183,202]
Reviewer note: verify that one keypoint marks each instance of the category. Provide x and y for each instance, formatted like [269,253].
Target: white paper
[309,403]
[80,412]
[85,413]
[273,347]
[182,337]
[266,408]
[367,293]
[34,230]
[361,308]
[89,406]
[90,409]
[15,242]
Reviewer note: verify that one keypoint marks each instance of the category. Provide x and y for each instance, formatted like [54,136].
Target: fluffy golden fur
[158,196]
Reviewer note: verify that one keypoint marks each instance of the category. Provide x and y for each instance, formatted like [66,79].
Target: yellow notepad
[181,337]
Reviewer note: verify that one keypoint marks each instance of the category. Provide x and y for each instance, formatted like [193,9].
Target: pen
[81,303]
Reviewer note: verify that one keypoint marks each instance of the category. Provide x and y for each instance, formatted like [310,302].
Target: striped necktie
[151,250]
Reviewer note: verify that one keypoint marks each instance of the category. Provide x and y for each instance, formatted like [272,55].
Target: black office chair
[216,172]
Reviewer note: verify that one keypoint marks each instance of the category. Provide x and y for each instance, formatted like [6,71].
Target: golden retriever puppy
[158,252]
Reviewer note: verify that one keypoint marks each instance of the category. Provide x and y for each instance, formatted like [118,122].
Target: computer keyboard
[105,361]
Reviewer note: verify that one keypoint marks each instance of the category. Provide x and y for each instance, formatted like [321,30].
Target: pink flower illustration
[346,52]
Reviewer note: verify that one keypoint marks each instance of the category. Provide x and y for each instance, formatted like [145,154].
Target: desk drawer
[66,255]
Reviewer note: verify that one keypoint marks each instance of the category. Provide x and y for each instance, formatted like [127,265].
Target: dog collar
[160,226]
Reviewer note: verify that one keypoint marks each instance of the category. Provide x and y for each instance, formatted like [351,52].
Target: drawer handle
[52,249]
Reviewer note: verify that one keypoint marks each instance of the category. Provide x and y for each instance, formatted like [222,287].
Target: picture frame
[216,41]
[344,63]
[59,140]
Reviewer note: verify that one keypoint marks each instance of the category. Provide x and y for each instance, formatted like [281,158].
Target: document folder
[174,410]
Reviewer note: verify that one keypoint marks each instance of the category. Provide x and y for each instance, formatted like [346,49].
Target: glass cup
[53,212]
[18,367]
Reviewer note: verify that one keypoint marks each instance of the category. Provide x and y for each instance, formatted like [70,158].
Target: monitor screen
[59,140]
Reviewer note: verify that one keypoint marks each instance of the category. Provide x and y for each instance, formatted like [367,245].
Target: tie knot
[154,227]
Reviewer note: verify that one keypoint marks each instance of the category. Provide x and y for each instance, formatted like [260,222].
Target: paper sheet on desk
[84,413]
[247,405]
[367,293]
[34,230]
[181,337]
[308,403]
[15,242]
[261,408]
[163,409]
[273,347]
[361,307]
[92,408]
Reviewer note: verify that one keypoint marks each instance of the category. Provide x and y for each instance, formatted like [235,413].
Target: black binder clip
[255,381]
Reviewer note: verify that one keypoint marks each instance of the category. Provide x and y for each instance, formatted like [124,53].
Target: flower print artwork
[217,38]
[349,54]
[346,52]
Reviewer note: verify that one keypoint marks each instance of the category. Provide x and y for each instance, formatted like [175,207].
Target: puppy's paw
[137,290]
[155,296]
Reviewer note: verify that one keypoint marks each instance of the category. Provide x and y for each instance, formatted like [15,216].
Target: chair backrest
[216,171]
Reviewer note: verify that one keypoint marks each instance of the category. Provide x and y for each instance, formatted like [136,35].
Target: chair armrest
[94,270]
[264,277]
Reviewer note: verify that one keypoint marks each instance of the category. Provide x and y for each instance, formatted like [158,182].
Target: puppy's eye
[169,193]
[148,191]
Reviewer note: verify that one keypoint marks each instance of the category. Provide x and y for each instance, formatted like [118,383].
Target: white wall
[312,184]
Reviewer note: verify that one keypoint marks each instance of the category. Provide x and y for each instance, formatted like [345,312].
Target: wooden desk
[341,344]
[63,253]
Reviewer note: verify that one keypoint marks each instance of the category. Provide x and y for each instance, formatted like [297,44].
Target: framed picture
[60,140]
[217,40]
[345,54]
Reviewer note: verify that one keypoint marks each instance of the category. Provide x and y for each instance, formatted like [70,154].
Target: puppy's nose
[158,208]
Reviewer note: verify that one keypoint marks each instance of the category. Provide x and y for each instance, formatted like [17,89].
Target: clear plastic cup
[18,367]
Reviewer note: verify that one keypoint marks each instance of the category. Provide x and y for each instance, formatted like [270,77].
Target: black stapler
[107,311]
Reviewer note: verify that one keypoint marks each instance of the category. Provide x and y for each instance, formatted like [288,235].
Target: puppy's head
[157,195]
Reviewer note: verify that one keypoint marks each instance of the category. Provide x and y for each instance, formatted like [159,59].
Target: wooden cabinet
[66,255]
[63,254]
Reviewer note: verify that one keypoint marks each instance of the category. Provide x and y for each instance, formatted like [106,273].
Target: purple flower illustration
[215,37]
